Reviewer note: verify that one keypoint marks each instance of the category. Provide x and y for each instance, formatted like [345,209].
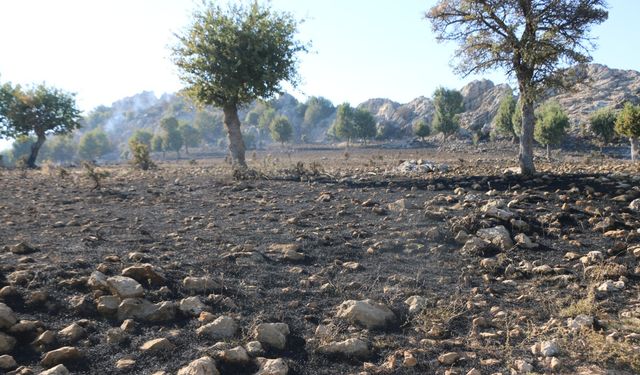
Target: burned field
[343,264]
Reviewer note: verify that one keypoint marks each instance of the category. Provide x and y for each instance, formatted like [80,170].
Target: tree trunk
[548,152]
[527,167]
[236,143]
[186,149]
[31,161]
[634,148]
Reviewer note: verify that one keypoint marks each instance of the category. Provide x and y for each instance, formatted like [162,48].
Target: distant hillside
[312,119]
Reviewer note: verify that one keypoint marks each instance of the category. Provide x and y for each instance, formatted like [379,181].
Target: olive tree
[421,129]
[448,104]
[281,129]
[628,125]
[40,111]
[551,125]
[602,123]
[530,39]
[502,122]
[230,57]
[171,137]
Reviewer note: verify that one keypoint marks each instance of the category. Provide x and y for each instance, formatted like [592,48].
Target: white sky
[106,50]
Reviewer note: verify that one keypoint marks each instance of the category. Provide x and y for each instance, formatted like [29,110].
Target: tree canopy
[529,39]
[281,129]
[448,104]
[39,111]
[421,128]
[602,123]
[230,57]
[551,124]
[628,125]
[94,144]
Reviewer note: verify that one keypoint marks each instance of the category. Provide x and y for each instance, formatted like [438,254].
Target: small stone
[44,340]
[59,356]
[236,355]
[416,304]
[7,343]
[545,348]
[272,367]
[201,366]
[254,348]
[200,284]
[272,334]
[524,241]
[145,273]
[98,281]
[124,364]
[128,325]
[635,205]
[368,313]
[523,366]
[157,345]
[349,348]
[498,235]
[56,370]
[125,287]
[222,328]
[475,246]
[409,360]
[108,305]
[579,322]
[116,336]
[611,286]
[474,371]
[7,362]
[7,317]
[22,248]
[448,358]
[71,334]
[192,306]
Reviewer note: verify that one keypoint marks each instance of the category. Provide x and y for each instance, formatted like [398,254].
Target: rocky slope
[603,87]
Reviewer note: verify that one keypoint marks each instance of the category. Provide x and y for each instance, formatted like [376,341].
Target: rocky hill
[602,87]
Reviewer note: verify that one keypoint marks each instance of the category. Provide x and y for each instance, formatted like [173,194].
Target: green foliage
[421,128]
[21,148]
[236,55]
[209,125]
[249,138]
[281,129]
[266,118]
[628,125]
[156,143]
[343,126]
[171,137]
[317,109]
[190,136]
[551,124]
[141,136]
[252,118]
[365,124]
[61,148]
[98,117]
[448,104]
[528,39]
[628,121]
[94,144]
[41,111]
[602,123]
[503,122]
[140,155]
[353,123]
